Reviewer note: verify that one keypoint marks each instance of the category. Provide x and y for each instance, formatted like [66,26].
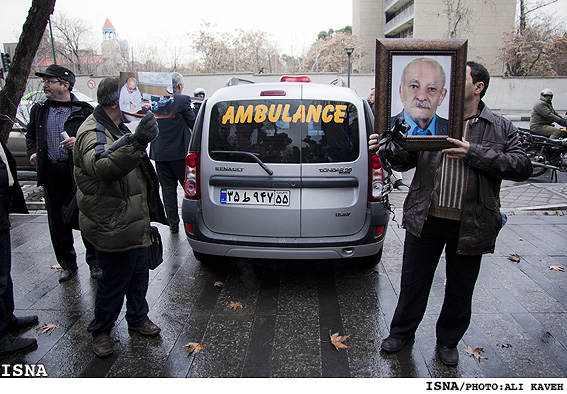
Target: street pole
[349,51]
[52,46]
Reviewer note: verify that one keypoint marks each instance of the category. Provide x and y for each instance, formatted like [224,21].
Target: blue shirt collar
[413,125]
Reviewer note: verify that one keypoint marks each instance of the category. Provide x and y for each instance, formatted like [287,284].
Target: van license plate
[254,197]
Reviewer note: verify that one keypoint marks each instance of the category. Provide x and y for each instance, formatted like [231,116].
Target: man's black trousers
[169,174]
[421,256]
[59,185]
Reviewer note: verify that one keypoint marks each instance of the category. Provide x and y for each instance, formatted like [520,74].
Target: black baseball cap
[59,72]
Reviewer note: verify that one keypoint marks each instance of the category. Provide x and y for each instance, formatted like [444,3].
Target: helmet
[199,91]
[547,92]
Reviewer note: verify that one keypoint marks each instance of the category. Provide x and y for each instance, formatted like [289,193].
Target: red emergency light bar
[295,78]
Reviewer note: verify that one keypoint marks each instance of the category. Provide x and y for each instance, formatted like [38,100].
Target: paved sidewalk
[289,307]
[520,199]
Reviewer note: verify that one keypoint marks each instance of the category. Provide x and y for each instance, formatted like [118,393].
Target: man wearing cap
[50,138]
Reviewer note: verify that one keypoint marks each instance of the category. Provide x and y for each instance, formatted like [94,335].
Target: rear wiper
[247,154]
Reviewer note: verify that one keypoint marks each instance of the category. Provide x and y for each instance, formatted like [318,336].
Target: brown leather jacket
[494,154]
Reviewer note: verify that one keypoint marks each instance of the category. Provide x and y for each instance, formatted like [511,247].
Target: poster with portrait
[421,83]
[144,92]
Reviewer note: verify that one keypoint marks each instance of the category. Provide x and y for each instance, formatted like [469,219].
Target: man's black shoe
[15,345]
[96,272]
[174,229]
[393,345]
[22,322]
[67,274]
[448,355]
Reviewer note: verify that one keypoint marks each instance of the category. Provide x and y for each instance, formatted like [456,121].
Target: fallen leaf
[234,305]
[514,257]
[476,353]
[47,328]
[219,283]
[505,345]
[56,267]
[556,268]
[193,348]
[521,239]
[338,340]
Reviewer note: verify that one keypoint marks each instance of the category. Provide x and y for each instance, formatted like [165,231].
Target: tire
[370,261]
[536,155]
[204,258]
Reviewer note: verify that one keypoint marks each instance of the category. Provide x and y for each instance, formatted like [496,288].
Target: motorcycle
[545,153]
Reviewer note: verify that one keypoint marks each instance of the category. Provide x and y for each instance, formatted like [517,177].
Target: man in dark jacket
[50,138]
[453,204]
[118,197]
[169,149]
[11,200]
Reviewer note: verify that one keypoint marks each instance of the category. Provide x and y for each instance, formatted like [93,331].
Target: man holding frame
[453,204]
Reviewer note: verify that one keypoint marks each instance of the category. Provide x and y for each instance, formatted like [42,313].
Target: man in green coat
[544,115]
[118,198]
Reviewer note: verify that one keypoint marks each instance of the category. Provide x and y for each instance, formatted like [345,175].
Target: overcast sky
[293,24]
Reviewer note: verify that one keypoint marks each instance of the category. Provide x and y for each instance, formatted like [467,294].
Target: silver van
[282,171]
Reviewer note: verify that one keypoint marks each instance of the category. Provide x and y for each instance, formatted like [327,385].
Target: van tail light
[192,176]
[295,78]
[376,179]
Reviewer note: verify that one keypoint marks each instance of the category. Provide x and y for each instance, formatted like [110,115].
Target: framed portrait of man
[421,83]
[144,92]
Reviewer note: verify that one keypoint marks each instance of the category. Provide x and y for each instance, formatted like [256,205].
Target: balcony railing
[408,12]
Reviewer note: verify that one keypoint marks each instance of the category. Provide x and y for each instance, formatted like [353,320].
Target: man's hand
[68,143]
[147,130]
[460,152]
[33,159]
[373,141]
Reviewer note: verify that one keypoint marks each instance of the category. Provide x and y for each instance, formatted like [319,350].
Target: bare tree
[535,52]
[537,46]
[243,51]
[526,9]
[328,54]
[73,43]
[24,54]
[458,17]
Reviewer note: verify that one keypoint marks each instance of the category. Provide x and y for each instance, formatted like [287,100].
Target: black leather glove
[563,122]
[147,130]
[391,143]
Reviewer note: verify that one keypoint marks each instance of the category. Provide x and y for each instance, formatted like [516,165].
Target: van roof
[293,90]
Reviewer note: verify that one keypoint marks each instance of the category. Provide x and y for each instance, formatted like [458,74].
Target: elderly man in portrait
[130,96]
[422,90]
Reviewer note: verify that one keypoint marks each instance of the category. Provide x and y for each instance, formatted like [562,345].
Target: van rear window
[284,131]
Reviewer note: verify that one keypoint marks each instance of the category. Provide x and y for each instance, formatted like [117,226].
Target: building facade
[482,22]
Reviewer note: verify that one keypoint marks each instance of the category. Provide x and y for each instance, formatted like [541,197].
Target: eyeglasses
[50,81]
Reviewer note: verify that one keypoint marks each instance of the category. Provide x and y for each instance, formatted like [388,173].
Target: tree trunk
[522,16]
[24,54]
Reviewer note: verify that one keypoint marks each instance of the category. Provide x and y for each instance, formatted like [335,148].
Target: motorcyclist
[199,93]
[543,116]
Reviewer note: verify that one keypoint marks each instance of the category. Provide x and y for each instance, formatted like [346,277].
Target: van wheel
[204,258]
[370,261]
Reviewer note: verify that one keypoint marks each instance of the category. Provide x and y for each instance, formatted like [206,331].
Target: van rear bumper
[362,244]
